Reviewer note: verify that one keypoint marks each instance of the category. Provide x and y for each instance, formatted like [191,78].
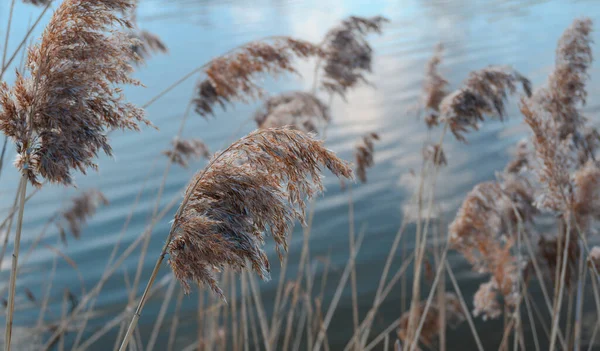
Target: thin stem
[161,315]
[561,282]
[10,17]
[338,294]
[15,261]
[3,153]
[175,322]
[466,311]
[37,21]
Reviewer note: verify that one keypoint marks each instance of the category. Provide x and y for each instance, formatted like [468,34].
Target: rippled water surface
[475,33]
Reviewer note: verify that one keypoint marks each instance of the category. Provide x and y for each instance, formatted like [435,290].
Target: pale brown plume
[256,187]
[348,54]
[232,77]
[483,93]
[60,108]
[299,110]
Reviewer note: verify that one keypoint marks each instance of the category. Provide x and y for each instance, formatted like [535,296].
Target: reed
[67,98]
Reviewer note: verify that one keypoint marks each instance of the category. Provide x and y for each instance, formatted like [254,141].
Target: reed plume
[145,44]
[58,110]
[299,110]
[257,186]
[83,207]
[483,93]
[435,88]
[431,327]
[485,301]
[37,2]
[232,77]
[363,153]
[185,150]
[348,55]
[553,115]
[484,232]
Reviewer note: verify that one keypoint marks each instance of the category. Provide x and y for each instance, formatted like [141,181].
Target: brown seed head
[37,2]
[484,93]
[298,110]
[363,153]
[348,54]
[485,301]
[257,186]
[145,44]
[232,77]
[59,109]
[484,232]
[184,150]
[84,206]
[434,88]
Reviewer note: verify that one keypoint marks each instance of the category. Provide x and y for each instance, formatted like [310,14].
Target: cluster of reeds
[62,105]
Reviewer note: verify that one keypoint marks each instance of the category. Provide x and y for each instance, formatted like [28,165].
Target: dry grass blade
[299,110]
[58,110]
[185,150]
[483,93]
[231,77]
[363,153]
[348,54]
[258,185]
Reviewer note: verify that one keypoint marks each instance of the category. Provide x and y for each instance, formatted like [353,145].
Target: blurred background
[475,34]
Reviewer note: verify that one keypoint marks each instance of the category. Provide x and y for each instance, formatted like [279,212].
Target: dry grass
[67,98]
[257,186]
[299,110]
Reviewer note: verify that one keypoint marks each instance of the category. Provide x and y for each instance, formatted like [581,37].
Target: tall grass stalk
[15,260]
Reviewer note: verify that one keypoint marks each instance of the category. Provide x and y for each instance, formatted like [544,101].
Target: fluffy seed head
[145,44]
[37,2]
[59,109]
[434,88]
[484,232]
[257,186]
[485,301]
[348,54]
[185,150]
[299,110]
[363,153]
[84,206]
[484,93]
[232,77]
[553,115]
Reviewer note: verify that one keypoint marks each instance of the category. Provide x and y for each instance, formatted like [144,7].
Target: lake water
[475,33]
